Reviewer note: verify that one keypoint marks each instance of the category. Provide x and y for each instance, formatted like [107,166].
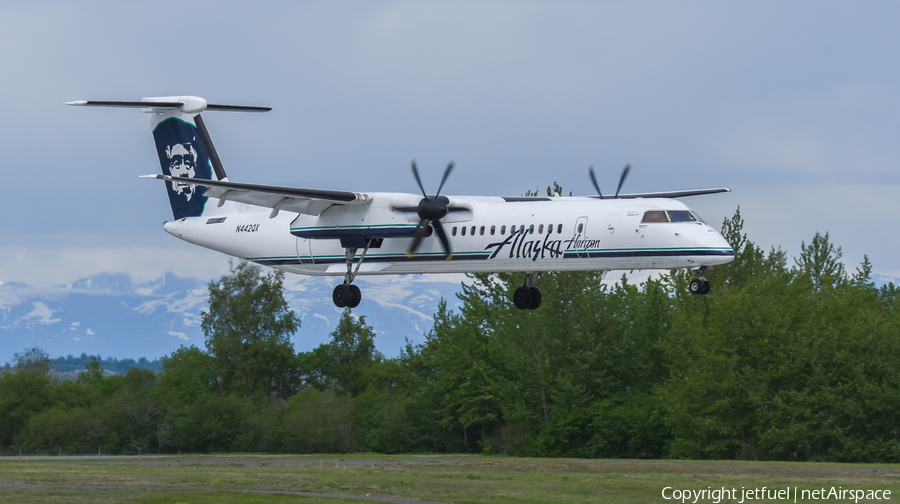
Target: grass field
[276,479]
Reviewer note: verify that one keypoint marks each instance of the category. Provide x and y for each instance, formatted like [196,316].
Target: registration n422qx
[344,233]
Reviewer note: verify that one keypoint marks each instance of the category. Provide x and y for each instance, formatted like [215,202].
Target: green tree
[785,363]
[463,376]
[248,330]
[25,390]
[137,409]
[554,381]
[63,427]
[318,421]
[344,362]
[186,375]
[32,359]
[92,375]
[820,260]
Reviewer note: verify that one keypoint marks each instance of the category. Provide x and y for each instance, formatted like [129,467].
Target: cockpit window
[655,216]
[681,216]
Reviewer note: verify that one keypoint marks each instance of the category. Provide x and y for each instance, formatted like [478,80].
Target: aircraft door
[630,235]
[580,237]
[304,250]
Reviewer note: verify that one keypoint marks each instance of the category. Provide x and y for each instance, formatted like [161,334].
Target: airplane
[343,233]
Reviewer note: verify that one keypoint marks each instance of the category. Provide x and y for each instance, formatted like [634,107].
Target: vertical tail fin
[182,144]
[182,153]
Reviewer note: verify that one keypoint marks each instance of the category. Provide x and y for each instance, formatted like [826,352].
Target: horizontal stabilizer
[189,104]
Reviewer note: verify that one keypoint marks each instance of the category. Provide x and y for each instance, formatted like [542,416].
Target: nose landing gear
[700,285]
[527,297]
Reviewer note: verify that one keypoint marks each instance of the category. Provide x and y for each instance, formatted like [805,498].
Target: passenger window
[481,231]
[512,229]
[464,231]
[681,216]
[541,229]
[503,229]
[493,228]
[531,229]
[550,229]
[655,216]
[472,230]
[454,231]
[559,228]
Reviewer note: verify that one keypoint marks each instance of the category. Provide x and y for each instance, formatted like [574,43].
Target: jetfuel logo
[182,154]
[790,494]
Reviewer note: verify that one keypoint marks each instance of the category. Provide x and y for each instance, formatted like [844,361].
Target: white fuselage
[493,235]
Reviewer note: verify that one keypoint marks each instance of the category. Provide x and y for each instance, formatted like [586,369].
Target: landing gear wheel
[699,286]
[535,298]
[355,296]
[341,295]
[695,287]
[522,298]
[705,288]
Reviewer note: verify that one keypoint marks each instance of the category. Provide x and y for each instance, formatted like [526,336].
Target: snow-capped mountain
[110,315]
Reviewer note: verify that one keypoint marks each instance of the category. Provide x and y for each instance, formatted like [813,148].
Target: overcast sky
[793,105]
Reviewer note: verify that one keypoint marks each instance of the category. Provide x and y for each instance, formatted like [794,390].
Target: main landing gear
[527,297]
[347,294]
[700,285]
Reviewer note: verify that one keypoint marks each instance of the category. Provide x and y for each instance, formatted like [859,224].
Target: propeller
[431,210]
[621,180]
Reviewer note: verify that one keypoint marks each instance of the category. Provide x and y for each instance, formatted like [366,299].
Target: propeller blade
[446,174]
[439,229]
[622,178]
[416,174]
[417,240]
[594,180]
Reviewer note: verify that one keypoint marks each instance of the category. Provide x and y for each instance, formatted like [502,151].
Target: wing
[669,194]
[292,199]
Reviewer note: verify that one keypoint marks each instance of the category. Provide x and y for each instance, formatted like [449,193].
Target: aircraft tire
[355,296]
[522,298]
[696,286]
[535,298]
[341,295]
[705,288]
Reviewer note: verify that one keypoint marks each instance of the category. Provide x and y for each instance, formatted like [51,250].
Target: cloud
[179,335]
[42,313]
[45,267]
[323,317]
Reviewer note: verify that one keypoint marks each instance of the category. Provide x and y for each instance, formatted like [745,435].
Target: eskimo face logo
[182,163]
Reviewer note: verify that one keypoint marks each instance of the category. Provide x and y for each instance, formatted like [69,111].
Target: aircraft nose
[719,243]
